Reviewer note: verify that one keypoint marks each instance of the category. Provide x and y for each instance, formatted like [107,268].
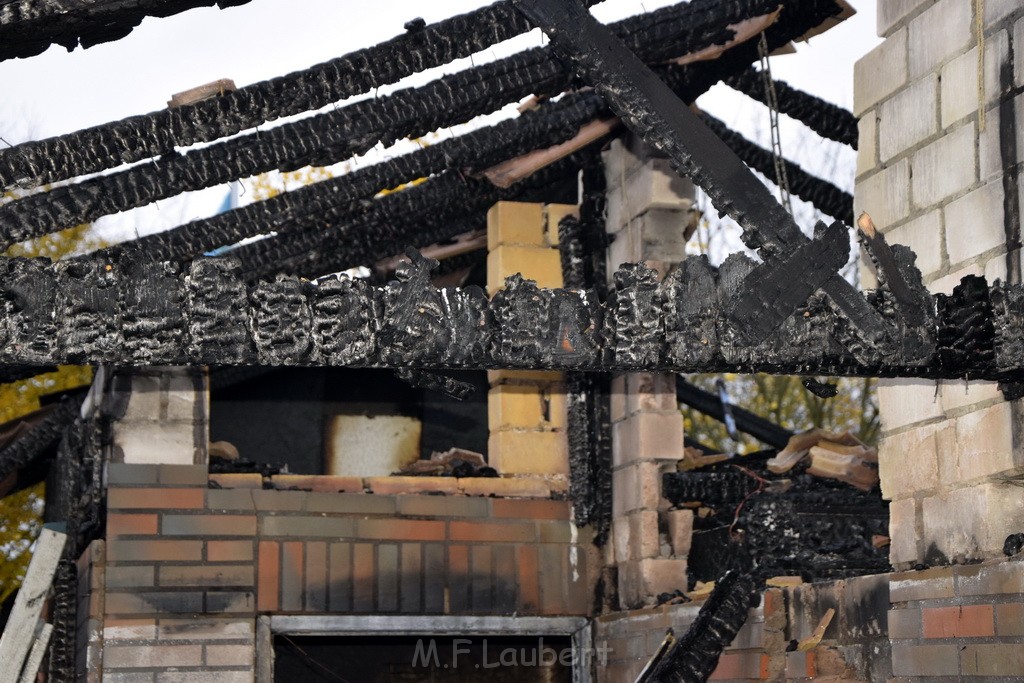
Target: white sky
[58,92]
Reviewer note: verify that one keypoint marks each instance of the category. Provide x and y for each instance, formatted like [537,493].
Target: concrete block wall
[648,213]
[526,409]
[938,170]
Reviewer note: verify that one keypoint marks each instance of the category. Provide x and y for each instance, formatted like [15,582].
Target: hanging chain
[773,116]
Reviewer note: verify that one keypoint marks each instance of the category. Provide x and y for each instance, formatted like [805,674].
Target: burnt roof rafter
[336,135]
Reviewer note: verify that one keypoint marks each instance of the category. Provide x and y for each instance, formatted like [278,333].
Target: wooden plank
[17,637]
[35,656]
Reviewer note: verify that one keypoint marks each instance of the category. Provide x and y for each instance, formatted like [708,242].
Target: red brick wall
[188,568]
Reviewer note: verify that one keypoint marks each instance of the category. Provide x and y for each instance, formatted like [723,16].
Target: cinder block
[904,624]
[985,443]
[680,531]
[650,391]
[647,436]
[892,12]
[911,659]
[625,248]
[867,147]
[993,156]
[960,79]
[641,581]
[908,463]
[652,185]
[617,398]
[946,167]
[880,72]
[171,443]
[553,215]
[903,533]
[955,394]
[662,234]
[620,538]
[885,195]
[974,223]
[972,522]
[924,236]
[904,402]
[939,33]
[506,487]
[636,487]
[511,406]
[1005,660]
[908,117]
[997,10]
[946,284]
[644,541]
[533,452]
[619,161]
[1018,55]
[515,223]
[540,264]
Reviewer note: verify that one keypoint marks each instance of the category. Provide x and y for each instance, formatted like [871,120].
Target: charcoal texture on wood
[41,438]
[354,129]
[150,135]
[29,27]
[695,654]
[821,194]
[90,311]
[824,118]
[655,113]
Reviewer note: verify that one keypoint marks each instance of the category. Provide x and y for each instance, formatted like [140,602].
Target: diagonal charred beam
[29,27]
[776,288]
[911,303]
[40,438]
[649,107]
[353,129]
[824,118]
[746,421]
[695,655]
[822,194]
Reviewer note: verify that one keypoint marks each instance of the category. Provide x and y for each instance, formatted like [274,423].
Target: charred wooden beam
[149,135]
[208,314]
[39,439]
[824,118]
[29,27]
[649,107]
[354,129]
[823,195]
[747,422]
[695,654]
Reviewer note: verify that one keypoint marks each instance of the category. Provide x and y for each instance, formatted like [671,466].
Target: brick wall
[187,568]
[648,220]
[938,171]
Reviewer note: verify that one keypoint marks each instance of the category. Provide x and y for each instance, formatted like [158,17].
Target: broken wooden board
[18,636]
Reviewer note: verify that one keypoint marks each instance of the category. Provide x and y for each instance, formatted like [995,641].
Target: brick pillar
[934,174]
[526,409]
[648,211]
[162,416]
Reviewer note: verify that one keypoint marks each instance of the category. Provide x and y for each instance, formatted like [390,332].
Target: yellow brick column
[526,408]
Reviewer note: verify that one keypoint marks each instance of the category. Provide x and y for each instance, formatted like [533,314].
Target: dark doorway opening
[409,659]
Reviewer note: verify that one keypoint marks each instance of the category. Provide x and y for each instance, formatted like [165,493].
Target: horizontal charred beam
[824,118]
[136,312]
[823,195]
[354,129]
[29,27]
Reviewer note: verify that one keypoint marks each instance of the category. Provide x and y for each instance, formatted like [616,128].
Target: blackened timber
[39,439]
[307,212]
[652,111]
[29,27]
[354,129]
[824,118]
[776,288]
[695,655]
[823,195]
[747,422]
[149,135]
[910,302]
